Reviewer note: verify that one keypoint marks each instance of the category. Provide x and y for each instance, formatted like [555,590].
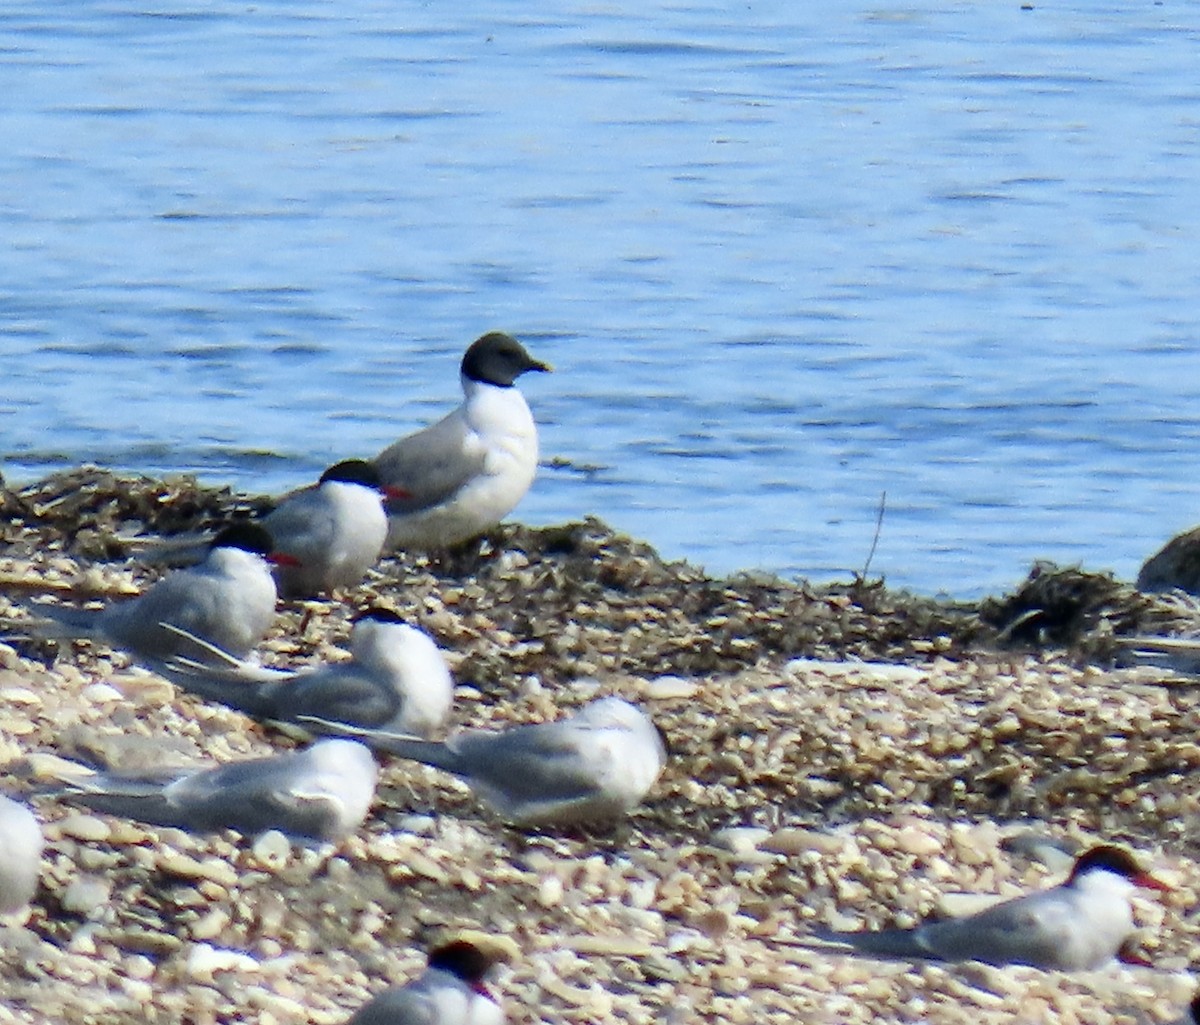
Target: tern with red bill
[1083,923]
[453,990]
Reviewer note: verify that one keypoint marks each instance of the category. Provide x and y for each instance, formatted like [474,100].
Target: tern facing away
[228,600]
[322,793]
[333,531]
[1080,924]
[396,680]
[595,765]
[462,475]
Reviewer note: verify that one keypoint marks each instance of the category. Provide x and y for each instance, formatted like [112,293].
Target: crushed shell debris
[843,756]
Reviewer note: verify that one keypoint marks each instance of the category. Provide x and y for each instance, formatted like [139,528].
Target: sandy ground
[842,756]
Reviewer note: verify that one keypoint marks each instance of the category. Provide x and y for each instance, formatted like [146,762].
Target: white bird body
[1192,1015]
[334,531]
[594,766]
[396,680]
[463,474]
[20,855]
[321,793]
[451,991]
[1078,925]
[228,600]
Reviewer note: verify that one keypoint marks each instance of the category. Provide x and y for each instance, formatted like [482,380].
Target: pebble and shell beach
[843,756]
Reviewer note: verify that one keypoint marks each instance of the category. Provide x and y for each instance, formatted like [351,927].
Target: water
[786,258]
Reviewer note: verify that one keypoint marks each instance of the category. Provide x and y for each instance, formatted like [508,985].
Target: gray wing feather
[538,761]
[250,797]
[431,466]
[1032,932]
[303,526]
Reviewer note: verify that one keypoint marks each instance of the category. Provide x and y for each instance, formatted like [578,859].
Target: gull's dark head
[499,359]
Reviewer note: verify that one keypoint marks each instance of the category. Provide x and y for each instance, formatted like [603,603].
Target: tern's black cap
[249,537]
[353,471]
[462,959]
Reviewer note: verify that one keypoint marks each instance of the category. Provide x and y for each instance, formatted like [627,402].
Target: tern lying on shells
[1080,924]
[396,680]
[322,793]
[228,600]
[453,990]
[20,855]
[465,473]
[593,766]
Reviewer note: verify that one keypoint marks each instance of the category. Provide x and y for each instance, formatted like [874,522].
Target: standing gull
[465,473]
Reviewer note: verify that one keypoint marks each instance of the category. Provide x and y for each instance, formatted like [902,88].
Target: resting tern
[595,765]
[228,600]
[1080,924]
[452,991]
[321,793]
[396,680]
[20,855]
[465,473]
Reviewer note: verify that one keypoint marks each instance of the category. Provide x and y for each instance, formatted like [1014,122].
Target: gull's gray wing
[431,465]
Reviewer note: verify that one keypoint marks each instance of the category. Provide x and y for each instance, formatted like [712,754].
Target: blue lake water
[785,258]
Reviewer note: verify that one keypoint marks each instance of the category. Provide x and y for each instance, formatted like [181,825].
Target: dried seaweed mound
[87,510]
[1067,607]
[584,599]
[581,597]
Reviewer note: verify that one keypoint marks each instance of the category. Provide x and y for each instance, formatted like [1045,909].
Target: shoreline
[843,754]
[221,493]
